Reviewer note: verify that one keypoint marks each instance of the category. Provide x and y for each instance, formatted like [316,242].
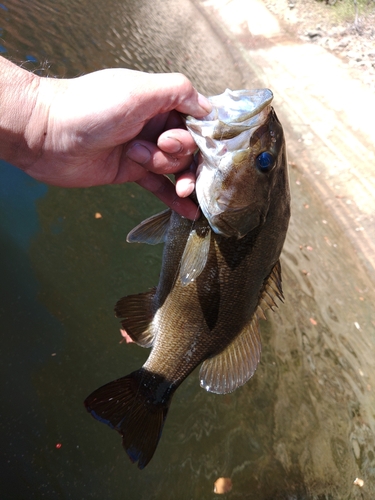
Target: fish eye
[265,162]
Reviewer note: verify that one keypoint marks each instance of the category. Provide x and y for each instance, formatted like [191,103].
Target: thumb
[173,91]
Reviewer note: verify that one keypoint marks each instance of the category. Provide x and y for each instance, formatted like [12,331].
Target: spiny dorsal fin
[274,282]
[195,255]
[235,365]
[152,230]
[272,288]
[136,313]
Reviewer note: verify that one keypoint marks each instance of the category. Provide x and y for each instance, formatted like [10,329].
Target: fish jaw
[233,191]
[227,128]
[230,191]
[225,195]
[238,109]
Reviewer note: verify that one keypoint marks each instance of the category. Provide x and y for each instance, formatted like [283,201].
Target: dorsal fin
[274,282]
[136,313]
[152,230]
[271,289]
[195,255]
[235,365]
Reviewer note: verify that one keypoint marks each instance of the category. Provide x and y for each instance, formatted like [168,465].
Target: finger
[185,185]
[164,189]
[185,182]
[152,158]
[177,142]
[177,92]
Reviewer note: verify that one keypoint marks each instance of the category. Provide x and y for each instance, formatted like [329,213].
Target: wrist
[23,119]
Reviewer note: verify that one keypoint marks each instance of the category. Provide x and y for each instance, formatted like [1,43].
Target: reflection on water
[303,427]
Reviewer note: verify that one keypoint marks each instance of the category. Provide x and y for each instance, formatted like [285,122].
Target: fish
[219,274]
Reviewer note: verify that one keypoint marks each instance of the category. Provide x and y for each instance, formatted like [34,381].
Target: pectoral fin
[195,255]
[152,230]
[235,365]
[136,313]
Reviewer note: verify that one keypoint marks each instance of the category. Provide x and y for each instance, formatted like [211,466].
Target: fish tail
[136,406]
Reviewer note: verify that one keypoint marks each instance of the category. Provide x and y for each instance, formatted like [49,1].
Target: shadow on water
[302,428]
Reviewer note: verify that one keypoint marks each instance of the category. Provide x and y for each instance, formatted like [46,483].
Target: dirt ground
[338,27]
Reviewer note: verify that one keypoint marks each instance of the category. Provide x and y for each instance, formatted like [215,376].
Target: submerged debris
[222,485]
[359,482]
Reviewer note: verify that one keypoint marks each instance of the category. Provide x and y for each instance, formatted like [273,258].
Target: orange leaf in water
[222,485]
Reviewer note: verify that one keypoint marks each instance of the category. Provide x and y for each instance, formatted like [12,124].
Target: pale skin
[108,127]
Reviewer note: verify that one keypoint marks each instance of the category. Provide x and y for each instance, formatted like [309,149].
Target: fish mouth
[234,112]
[260,98]
[237,222]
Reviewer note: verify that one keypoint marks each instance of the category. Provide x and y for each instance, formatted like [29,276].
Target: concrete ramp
[327,115]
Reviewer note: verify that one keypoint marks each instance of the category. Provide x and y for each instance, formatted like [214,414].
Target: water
[302,428]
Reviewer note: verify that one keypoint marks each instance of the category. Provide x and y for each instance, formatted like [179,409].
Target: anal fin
[235,365]
[136,314]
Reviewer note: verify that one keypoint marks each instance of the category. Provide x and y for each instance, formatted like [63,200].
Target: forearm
[21,118]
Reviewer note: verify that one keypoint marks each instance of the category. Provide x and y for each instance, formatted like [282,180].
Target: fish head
[242,152]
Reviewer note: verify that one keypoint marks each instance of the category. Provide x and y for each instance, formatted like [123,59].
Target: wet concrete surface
[327,115]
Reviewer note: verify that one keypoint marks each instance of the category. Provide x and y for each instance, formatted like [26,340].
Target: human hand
[118,125]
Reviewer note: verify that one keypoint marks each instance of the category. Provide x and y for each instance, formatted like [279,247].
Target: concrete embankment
[327,115]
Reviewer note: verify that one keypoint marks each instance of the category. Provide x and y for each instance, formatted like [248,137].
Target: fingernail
[173,145]
[139,154]
[185,189]
[204,103]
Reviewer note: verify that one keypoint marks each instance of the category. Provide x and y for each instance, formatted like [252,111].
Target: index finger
[175,91]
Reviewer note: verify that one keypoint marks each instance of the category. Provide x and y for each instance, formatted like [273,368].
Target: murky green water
[302,428]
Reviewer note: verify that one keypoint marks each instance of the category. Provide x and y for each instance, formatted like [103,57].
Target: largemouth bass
[219,274]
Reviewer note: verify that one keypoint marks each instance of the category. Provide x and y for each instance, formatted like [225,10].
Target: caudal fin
[136,406]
